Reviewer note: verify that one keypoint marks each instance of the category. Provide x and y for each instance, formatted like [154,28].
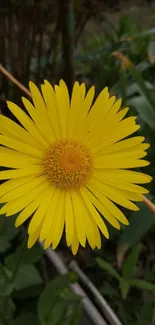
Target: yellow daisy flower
[68,163]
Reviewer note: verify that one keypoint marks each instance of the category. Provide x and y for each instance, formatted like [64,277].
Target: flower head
[68,164]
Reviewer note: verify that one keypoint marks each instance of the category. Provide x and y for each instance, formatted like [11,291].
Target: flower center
[68,164]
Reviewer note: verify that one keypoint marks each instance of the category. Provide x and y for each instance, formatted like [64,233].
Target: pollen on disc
[68,164]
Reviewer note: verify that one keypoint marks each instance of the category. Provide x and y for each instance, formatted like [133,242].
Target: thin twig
[14,80]
[149,204]
[106,309]
[88,306]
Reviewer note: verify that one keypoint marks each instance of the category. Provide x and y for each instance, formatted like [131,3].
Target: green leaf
[144,315]
[56,314]
[29,256]
[148,32]
[142,284]
[50,303]
[124,287]
[26,319]
[73,316]
[139,79]
[32,255]
[144,109]
[140,222]
[69,295]
[7,232]
[107,267]
[27,276]
[10,310]
[108,289]
[4,244]
[129,266]
[5,288]
[134,88]
[151,51]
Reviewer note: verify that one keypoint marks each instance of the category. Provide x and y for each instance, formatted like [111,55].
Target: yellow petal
[41,113]
[16,173]
[38,121]
[20,203]
[75,243]
[59,227]
[69,219]
[116,135]
[41,211]
[115,108]
[63,110]
[100,106]
[29,210]
[110,206]
[23,189]
[111,122]
[123,163]
[11,129]
[122,145]
[29,107]
[51,103]
[77,101]
[78,219]
[98,237]
[18,145]
[99,113]
[25,120]
[33,238]
[133,153]
[121,175]
[49,222]
[88,224]
[81,120]
[13,184]
[94,213]
[122,185]
[104,211]
[112,194]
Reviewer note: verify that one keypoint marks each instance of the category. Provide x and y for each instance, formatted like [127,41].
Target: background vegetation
[102,44]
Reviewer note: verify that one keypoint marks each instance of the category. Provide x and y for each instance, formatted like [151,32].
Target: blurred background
[102,43]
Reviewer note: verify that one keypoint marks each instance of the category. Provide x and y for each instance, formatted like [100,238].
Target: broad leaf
[52,301]
[32,255]
[26,319]
[7,232]
[27,276]
[73,316]
[29,256]
[5,288]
